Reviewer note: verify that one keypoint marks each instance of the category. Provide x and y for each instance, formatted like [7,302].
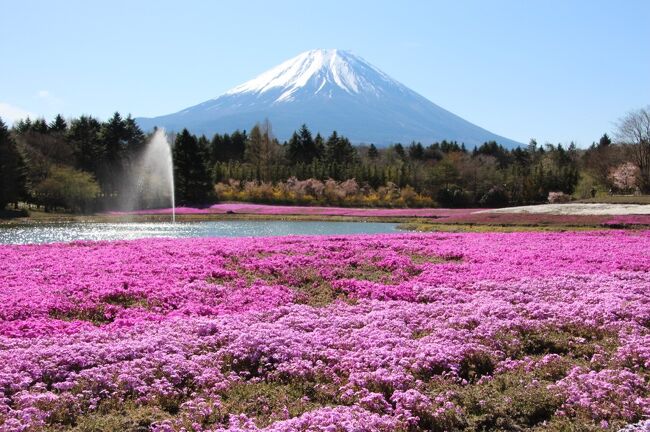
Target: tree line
[81,165]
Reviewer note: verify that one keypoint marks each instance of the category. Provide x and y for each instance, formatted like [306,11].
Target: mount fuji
[328,90]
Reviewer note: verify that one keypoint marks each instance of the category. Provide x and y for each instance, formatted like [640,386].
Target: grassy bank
[426,226]
[38,217]
[617,199]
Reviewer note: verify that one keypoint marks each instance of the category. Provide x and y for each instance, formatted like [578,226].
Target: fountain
[151,182]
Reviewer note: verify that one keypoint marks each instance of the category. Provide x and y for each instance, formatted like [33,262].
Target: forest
[80,165]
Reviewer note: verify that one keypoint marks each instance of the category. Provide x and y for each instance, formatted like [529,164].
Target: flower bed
[628,220]
[409,332]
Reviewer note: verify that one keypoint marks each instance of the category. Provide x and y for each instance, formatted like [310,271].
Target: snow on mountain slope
[328,90]
[320,66]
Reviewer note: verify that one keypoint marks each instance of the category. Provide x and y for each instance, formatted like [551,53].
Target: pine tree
[58,124]
[203,156]
[133,137]
[114,136]
[338,150]
[23,126]
[191,176]
[12,169]
[416,151]
[604,141]
[217,150]
[39,126]
[114,140]
[319,146]
[84,136]
[295,151]
[399,150]
[238,145]
[373,154]
[310,148]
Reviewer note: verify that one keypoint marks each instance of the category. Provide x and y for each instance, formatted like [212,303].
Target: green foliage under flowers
[580,342]
[128,417]
[271,401]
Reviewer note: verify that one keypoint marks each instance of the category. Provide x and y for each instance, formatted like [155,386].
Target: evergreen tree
[134,137]
[399,150]
[295,151]
[416,151]
[338,150]
[604,141]
[12,169]
[23,126]
[302,148]
[432,152]
[58,124]
[373,153]
[238,145]
[319,146]
[39,126]
[491,148]
[229,152]
[121,140]
[217,150]
[191,176]
[224,148]
[114,136]
[311,150]
[84,136]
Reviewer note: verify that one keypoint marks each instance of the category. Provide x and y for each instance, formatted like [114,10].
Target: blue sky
[553,70]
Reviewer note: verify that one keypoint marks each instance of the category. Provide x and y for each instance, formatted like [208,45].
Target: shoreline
[37,218]
[404,224]
[556,217]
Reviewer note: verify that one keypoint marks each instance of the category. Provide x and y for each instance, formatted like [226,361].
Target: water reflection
[65,232]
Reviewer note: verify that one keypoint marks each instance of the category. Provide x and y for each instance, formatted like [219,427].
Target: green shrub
[453,196]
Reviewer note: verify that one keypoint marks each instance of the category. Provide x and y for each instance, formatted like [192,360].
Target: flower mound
[408,332]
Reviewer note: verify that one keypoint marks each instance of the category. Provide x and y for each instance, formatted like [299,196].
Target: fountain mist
[151,182]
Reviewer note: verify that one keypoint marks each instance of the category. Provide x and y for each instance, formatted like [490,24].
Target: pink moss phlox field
[404,332]
[623,220]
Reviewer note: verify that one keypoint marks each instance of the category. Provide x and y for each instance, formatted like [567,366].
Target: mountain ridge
[328,89]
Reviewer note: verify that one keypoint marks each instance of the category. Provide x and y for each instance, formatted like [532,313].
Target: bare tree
[262,148]
[270,148]
[634,132]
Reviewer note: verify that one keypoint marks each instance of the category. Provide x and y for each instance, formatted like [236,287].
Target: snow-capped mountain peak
[328,89]
[316,69]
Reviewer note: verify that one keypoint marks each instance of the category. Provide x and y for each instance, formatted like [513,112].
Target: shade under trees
[12,169]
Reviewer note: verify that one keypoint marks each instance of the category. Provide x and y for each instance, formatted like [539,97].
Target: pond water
[65,232]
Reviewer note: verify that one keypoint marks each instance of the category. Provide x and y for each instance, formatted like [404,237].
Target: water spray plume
[152,177]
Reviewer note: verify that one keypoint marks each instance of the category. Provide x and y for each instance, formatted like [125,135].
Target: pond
[65,232]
